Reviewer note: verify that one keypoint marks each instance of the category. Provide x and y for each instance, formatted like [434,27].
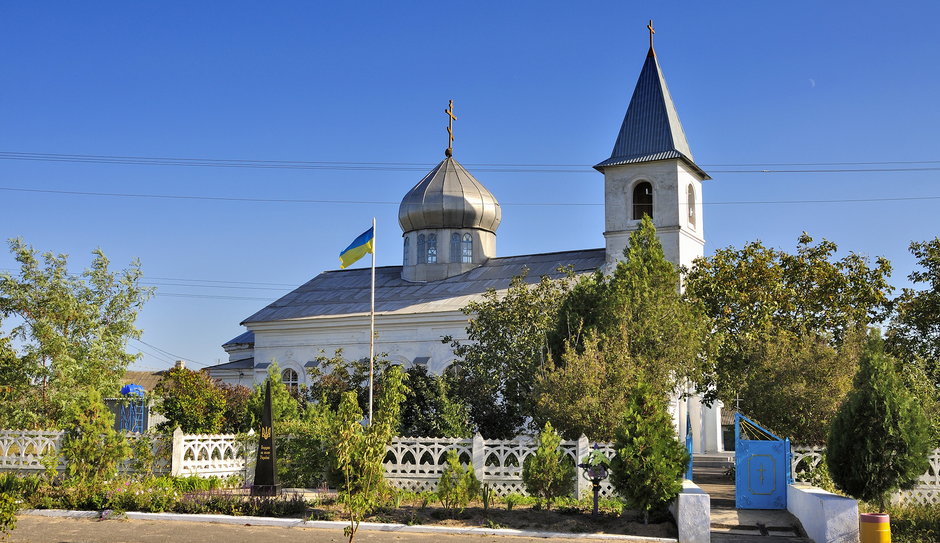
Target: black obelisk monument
[265,473]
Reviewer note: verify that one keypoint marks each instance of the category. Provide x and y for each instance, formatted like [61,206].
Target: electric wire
[420,166]
[516,204]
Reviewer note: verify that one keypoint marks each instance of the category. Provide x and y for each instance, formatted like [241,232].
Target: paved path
[36,529]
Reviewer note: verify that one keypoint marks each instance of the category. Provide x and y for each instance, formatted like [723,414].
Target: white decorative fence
[410,463]
[416,463]
[23,450]
[805,459]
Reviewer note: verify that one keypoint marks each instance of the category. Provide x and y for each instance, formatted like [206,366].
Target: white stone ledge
[826,517]
[692,510]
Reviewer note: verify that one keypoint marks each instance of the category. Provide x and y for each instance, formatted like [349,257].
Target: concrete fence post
[478,456]
[582,485]
[176,456]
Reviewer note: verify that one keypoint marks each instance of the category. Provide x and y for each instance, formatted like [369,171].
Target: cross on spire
[450,128]
[650,26]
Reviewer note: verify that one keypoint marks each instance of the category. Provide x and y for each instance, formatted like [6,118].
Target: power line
[375,202]
[422,166]
[223,281]
[157,284]
[208,296]
[168,353]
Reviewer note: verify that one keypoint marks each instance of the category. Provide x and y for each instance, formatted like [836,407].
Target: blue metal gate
[762,466]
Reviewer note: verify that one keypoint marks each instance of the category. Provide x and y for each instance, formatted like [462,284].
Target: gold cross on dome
[450,127]
[650,26]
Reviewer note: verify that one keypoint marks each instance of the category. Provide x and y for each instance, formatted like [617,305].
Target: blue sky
[756,84]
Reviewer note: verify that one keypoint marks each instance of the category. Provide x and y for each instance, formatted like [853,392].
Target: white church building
[449,222]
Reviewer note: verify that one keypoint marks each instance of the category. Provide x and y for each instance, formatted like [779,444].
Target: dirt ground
[35,529]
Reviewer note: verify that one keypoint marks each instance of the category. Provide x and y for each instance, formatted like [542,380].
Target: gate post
[582,485]
[478,457]
[176,456]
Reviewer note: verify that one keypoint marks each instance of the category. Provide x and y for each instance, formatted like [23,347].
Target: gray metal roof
[346,292]
[651,129]
[449,197]
[243,364]
[245,337]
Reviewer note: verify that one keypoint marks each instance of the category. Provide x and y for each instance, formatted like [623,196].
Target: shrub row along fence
[411,463]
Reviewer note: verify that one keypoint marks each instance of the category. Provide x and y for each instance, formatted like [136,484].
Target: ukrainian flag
[358,248]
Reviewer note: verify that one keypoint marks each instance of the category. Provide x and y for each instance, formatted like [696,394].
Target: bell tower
[651,172]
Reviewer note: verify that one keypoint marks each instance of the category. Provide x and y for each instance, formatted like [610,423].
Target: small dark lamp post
[595,470]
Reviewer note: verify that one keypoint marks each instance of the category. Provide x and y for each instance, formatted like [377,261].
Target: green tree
[649,464]
[63,333]
[880,438]
[92,448]
[507,343]
[587,392]
[457,484]
[284,406]
[428,410]
[359,450]
[615,328]
[801,370]
[334,375]
[914,332]
[548,473]
[754,294]
[237,417]
[190,400]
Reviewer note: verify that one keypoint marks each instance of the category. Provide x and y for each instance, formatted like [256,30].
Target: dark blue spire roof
[651,129]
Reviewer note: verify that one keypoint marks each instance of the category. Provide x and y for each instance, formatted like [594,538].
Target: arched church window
[404,259]
[690,191]
[291,380]
[455,247]
[432,248]
[466,249]
[642,200]
[422,252]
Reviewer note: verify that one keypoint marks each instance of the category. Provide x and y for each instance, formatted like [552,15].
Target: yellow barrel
[874,528]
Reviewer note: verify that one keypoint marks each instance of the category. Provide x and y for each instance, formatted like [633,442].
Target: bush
[8,509]
[457,485]
[548,473]
[915,523]
[880,438]
[190,400]
[150,495]
[650,462]
[92,449]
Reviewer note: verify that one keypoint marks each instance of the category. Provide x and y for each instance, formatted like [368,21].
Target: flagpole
[372,325]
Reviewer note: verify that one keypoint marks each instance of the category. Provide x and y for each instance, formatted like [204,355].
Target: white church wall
[403,337]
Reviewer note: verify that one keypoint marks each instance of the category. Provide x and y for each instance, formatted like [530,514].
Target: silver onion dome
[449,197]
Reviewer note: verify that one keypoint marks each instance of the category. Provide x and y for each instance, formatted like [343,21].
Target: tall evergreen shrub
[880,438]
[649,465]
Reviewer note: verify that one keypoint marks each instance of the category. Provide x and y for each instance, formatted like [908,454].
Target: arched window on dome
[432,248]
[642,200]
[466,249]
[455,247]
[406,245]
[422,253]
[690,197]
[291,380]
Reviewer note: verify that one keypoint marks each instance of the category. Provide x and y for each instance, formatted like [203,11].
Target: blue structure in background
[133,409]
[762,466]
